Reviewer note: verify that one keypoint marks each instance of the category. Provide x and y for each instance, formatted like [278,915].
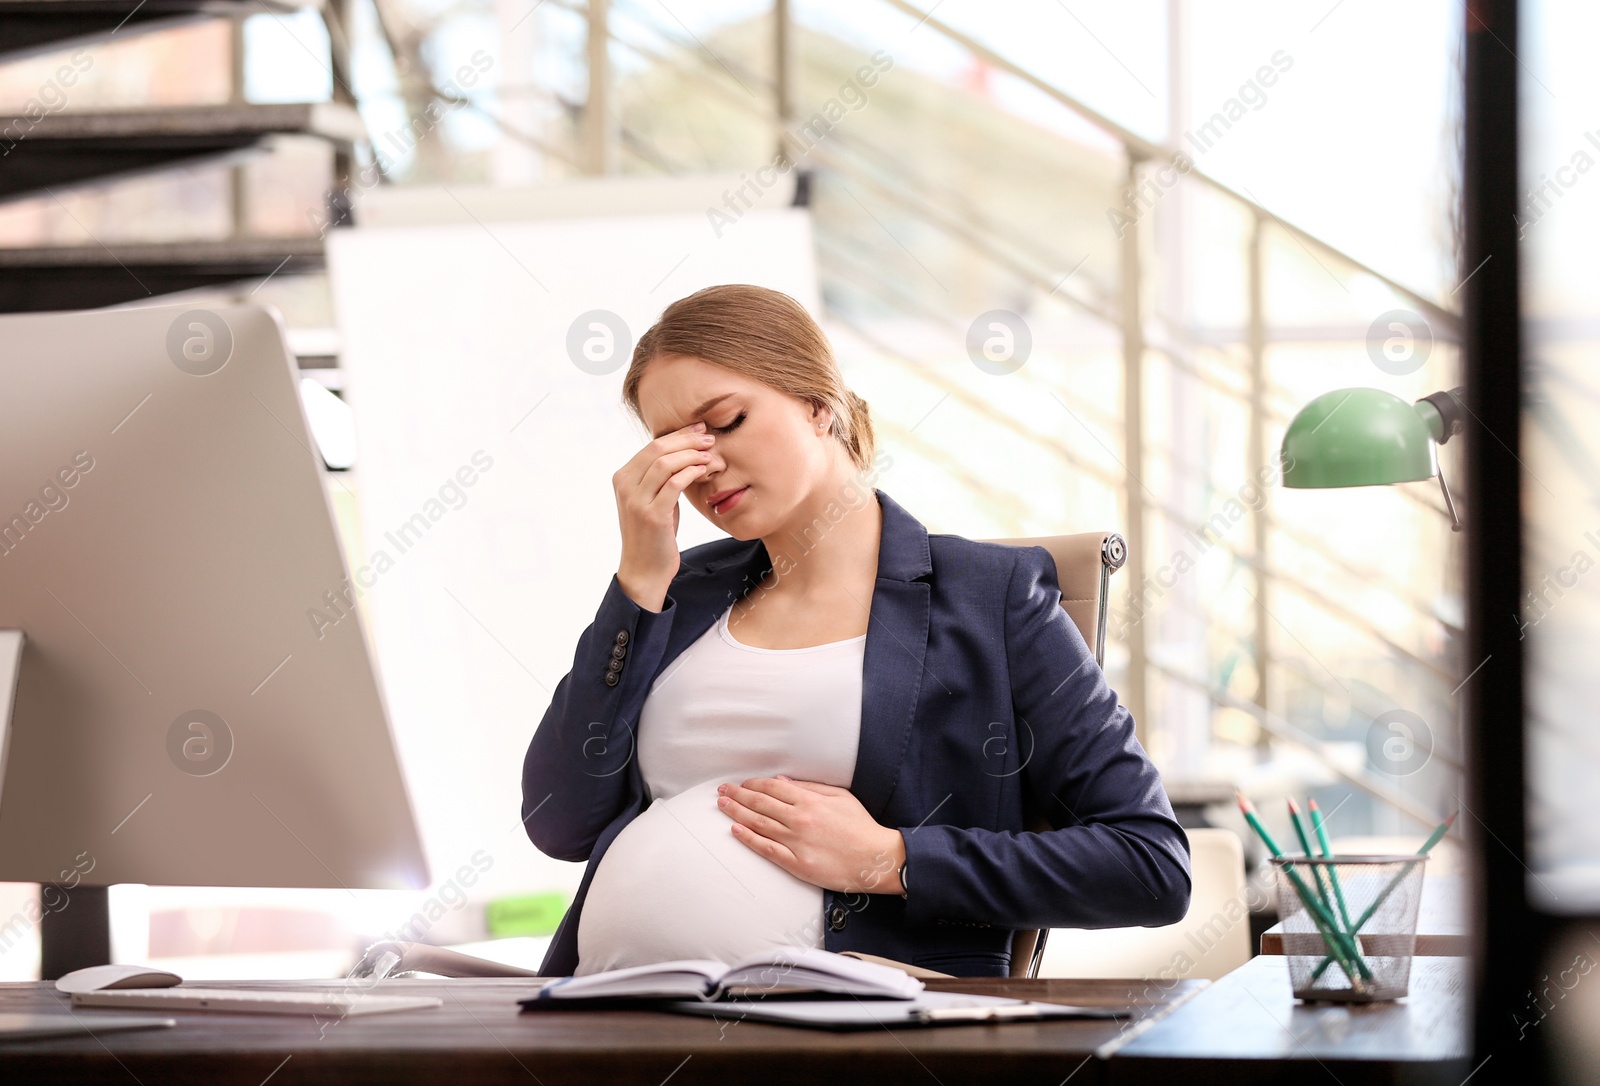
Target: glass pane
[1560,619]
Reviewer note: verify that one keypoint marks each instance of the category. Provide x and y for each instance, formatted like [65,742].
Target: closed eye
[732,426]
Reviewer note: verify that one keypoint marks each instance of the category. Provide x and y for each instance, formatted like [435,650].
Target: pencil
[1433,839]
[1437,835]
[1330,932]
[1249,810]
[1352,947]
[1327,853]
[1305,846]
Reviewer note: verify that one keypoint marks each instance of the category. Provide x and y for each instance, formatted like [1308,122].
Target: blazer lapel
[897,641]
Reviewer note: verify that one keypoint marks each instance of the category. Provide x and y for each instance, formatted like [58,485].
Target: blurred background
[1084,261]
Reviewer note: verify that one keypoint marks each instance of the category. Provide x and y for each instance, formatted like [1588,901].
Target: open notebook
[393,957]
[780,970]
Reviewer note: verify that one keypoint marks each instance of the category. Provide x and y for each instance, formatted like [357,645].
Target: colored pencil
[1330,931]
[1433,839]
[1327,853]
[1305,846]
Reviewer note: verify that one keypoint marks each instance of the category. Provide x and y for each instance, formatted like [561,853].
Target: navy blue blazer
[980,700]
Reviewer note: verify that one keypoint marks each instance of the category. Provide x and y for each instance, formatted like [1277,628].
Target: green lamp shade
[1357,437]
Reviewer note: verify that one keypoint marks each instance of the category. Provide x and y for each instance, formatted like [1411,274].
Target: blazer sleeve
[1118,856]
[574,776]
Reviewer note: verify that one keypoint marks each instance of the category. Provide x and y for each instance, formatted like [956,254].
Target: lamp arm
[1445,416]
[1449,503]
[1444,413]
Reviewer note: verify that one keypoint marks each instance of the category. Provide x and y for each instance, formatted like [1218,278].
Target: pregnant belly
[676,883]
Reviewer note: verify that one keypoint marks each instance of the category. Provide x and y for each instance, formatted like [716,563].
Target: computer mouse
[97,978]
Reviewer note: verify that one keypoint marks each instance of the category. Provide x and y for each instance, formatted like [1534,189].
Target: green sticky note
[526,914]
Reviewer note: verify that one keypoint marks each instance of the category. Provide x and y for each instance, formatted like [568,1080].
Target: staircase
[47,153]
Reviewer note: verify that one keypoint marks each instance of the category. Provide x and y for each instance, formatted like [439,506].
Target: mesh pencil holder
[1349,924]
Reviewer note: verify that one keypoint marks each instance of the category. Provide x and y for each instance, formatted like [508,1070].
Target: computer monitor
[196,702]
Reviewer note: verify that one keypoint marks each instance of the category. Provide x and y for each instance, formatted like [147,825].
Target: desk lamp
[1368,437]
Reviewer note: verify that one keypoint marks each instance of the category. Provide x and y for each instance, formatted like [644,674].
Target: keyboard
[253,1001]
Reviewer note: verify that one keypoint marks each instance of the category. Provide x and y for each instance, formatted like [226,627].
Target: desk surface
[1247,1027]
[481,1036]
[1441,920]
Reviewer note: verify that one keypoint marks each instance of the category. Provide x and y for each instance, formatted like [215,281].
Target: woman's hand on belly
[816,832]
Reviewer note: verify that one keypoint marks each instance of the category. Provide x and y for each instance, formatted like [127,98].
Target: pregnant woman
[823,730]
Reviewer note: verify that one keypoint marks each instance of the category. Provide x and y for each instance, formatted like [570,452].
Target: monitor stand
[80,934]
[10,667]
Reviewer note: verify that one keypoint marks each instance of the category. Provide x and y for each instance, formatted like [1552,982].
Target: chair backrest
[1084,565]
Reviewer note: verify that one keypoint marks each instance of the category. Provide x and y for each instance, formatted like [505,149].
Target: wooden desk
[1248,1027]
[1441,920]
[481,1036]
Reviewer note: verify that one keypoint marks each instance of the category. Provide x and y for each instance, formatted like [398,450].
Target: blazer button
[612,678]
[836,918]
[622,637]
[614,666]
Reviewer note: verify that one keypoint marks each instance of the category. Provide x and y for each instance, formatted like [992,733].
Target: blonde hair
[764,335]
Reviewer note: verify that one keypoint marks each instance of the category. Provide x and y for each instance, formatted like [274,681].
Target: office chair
[1084,565]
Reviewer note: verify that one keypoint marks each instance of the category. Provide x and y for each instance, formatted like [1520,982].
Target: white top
[676,883]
